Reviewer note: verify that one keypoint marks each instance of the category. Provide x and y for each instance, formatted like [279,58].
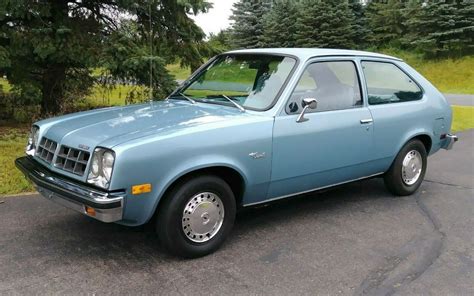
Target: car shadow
[78,237]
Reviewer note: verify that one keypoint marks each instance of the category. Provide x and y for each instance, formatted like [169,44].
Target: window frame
[191,79]
[329,60]
[399,68]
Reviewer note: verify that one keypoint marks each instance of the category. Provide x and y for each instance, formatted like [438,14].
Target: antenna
[151,53]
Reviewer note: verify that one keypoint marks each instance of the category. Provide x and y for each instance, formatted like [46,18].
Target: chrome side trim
[310,190]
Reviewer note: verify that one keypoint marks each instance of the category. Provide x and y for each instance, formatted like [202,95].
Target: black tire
[393,178]
[170,216]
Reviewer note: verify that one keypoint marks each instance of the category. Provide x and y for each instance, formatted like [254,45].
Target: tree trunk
[53,89]
[54,74]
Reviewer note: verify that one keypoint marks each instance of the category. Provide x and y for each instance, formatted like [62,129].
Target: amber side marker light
[142,188]
[90,211]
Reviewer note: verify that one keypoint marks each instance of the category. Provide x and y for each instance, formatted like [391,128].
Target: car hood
[111,126]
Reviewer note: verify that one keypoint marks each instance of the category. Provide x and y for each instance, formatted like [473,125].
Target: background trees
[441,28]
[53,51]
[279,24]
[247,29]
[49,48]
[435,28]
[325,24]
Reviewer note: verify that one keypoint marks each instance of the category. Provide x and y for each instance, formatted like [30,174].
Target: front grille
[46,149]
[72,160]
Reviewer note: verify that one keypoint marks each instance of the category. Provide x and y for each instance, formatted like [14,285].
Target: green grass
[103,96]
[463,118]
[448,75]
[13,140]
[4,85]
[453,76]
[12,145]
[178,72]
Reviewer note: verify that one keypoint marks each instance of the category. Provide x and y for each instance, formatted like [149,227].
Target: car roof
[306,53]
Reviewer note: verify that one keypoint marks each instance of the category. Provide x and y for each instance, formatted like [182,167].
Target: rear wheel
[408,169]
[196,216]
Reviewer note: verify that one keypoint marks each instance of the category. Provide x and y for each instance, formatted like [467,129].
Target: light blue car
[249,127]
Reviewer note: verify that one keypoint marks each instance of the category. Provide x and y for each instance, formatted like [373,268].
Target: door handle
[366,121]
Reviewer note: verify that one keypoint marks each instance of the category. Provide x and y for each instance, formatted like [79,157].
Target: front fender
[160,162]
[192,165]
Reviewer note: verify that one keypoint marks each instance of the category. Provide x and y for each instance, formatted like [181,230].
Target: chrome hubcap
[412,167]
[202,217]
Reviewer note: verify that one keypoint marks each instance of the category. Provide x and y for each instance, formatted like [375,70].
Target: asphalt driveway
[462,100]
[355,239]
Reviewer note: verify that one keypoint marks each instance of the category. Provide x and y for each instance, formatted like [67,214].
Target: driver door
[335,143]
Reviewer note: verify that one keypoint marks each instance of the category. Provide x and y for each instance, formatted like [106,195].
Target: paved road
[463,100]
[353,240]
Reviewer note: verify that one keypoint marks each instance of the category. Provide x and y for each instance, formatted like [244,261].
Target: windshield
[251,81]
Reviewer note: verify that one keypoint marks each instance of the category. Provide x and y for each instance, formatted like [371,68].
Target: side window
[387,84]
[335,85]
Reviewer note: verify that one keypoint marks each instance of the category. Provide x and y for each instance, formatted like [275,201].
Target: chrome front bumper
[449,141]
[107,205]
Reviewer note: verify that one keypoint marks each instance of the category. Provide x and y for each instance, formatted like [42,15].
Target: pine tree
[247,29]
[442,28]
[325,23]
[359,24]
[279,24]
[49,47]
[386,22]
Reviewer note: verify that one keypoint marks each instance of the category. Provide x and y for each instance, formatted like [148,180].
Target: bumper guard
[449,141]
[107,205]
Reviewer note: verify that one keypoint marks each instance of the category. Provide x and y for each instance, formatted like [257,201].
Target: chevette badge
[85,147]
[257,155]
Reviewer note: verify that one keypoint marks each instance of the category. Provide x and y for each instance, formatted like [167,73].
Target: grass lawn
[12,145]
[13,141]
[101,96]
[178,72]
[463,118]
[452,76]
[448,75]
[4,85]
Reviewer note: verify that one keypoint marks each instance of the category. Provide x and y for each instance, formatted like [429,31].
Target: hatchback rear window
[387,84]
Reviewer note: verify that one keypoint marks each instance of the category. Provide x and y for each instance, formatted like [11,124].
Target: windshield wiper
[180,94]
[242,109]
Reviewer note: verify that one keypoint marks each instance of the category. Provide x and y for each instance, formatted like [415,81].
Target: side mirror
[310,103]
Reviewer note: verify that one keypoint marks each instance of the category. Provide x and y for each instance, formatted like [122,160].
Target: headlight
[101,167]
[32,140]
[107,164]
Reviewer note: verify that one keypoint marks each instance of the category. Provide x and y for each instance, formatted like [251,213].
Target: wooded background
[54,54]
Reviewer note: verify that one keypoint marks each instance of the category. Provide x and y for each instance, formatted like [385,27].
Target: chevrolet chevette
[248,127]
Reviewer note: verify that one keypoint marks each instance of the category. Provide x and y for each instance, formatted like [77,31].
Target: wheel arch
[426,140]
[424,136]
[231,175]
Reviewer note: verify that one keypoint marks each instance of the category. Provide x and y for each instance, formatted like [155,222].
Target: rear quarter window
[387,84]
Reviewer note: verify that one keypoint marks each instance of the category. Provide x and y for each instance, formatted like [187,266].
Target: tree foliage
[248,23]
[220,42]
[441,28]
[359,24]
[52,45]
[279,24]
[386,22]
[325,23]
[434,27]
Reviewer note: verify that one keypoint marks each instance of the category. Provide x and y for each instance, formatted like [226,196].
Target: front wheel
[196,216]
[408,169]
